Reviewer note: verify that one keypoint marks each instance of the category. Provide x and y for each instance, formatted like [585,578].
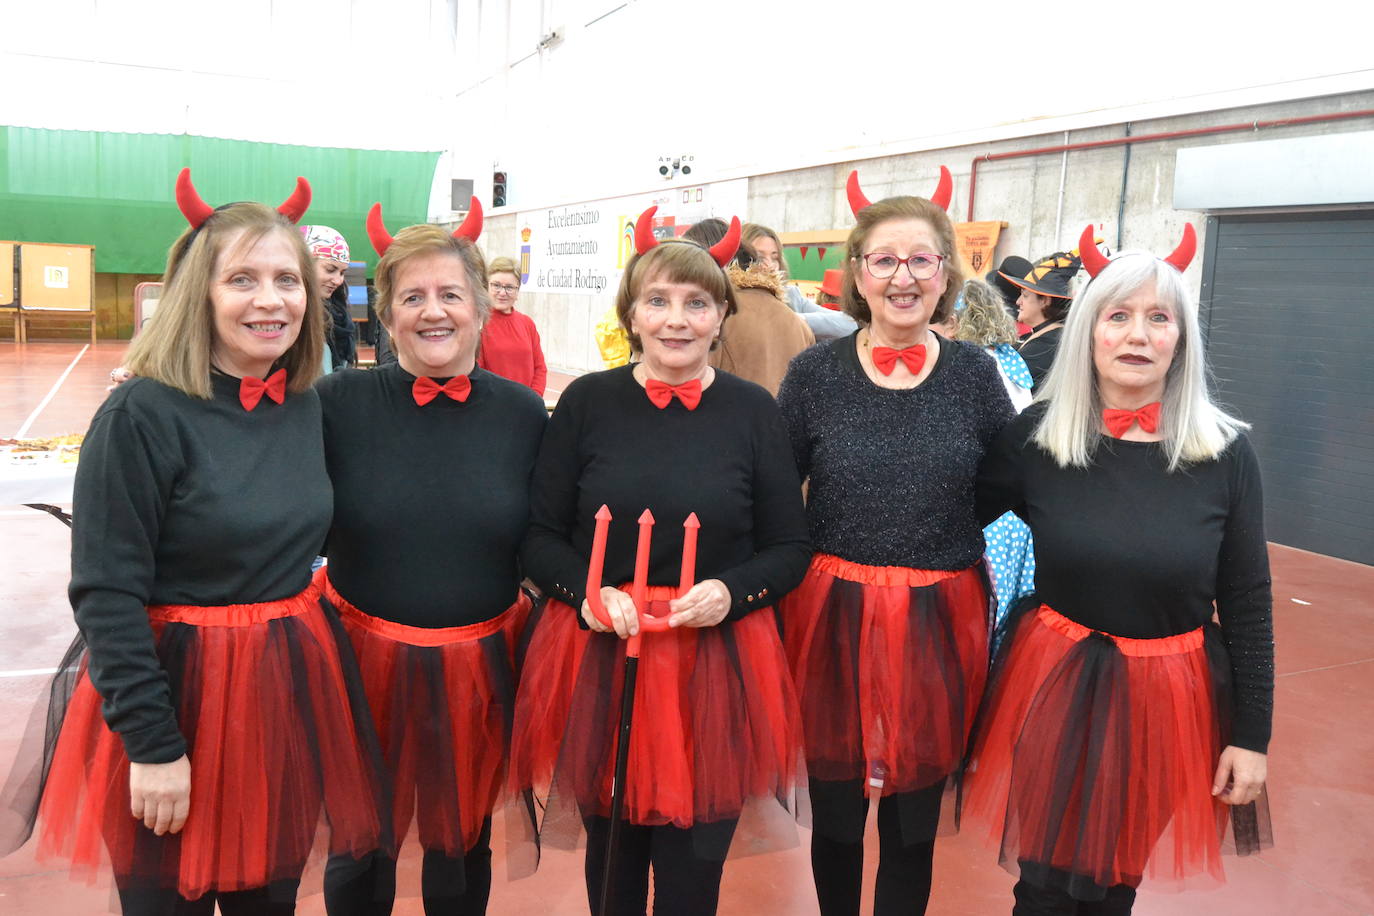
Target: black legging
[277,899]
[1033,900]
[904,868]
[685,884]
[458,886]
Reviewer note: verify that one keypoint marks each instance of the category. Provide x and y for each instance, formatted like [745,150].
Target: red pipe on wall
[1163,135]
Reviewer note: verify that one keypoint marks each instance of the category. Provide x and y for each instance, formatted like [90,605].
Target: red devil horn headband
[1187,247]
[197,211]
[722,252]
[1094,261]
[381,239]
[944,191]
[1093,258]
[644,230]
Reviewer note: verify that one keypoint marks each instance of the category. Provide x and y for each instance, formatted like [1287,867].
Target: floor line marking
[51,392]
[28,672]
[1357,661]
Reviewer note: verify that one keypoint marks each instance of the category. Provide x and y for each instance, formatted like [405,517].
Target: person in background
[1011,266]
[1043,303]
[982,320]
[431,461]
[1125,734]
[887,636]
[330,251]
[825,324]
[764,334]
[510,341]
[831,292]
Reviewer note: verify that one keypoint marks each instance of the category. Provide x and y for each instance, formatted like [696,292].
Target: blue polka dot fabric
[1011,557]
[1012,365]
[1010,551]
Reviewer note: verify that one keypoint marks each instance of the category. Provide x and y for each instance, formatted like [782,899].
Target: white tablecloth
[41,480]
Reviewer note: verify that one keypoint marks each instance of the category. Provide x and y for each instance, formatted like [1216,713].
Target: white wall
[748,87]
[280,71]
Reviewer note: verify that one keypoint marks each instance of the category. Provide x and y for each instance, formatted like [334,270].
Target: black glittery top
[891,471]
[1128,548]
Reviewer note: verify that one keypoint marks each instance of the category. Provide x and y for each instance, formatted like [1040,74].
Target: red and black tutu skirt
[443,701]
[1095,755]
[280,747]
[716,726]
[890,665]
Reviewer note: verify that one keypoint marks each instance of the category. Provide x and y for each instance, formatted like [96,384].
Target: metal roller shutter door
[1289,304]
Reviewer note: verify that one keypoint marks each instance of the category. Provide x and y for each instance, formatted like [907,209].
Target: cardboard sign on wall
[55,276]
[6,274]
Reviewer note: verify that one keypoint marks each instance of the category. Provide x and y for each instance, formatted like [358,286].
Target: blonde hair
[503,265]
[418,241]
[1195,428]
[677,261]
[175,346]
[895,208]
[984,319]
[752,232]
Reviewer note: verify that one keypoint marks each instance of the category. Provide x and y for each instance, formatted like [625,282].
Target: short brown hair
[503,265]
[895,208]
[680,262]
[425,239]
[175,346]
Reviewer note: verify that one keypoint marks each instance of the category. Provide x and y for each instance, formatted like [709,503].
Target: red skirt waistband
[899,576]
[1179,644]
[236,615]
[416,636]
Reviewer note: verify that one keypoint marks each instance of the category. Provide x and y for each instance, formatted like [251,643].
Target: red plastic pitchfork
[647,624]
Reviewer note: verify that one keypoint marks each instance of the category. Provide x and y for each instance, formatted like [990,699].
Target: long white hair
[1194,427]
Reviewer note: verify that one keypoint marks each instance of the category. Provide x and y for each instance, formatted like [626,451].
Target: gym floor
[1321,766]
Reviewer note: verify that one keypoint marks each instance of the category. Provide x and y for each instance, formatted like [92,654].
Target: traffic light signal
[498,189]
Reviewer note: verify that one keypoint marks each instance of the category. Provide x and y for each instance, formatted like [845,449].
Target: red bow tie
[252,389]
[1119,421]
[660,393]
[427,389]
[885,358]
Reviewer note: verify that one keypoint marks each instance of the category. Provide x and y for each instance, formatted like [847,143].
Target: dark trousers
[278,899]
[449,886]
[685,883]
[1033,900]
[839,810]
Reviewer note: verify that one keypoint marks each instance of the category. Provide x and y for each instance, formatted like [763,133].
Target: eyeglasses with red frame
[923,265]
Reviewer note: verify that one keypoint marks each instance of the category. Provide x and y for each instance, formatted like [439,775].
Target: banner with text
[583,248]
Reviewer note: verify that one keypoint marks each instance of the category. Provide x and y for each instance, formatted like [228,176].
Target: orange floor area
[1321,765]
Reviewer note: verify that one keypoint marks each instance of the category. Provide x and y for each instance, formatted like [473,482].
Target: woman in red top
[510,341]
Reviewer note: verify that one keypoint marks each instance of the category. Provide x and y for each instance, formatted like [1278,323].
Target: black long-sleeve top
[1128,548]
[430,503]
[727,461]
[1039,354]
[180,500]
[891,471]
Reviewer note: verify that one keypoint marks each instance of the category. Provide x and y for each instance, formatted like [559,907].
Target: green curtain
[114,191]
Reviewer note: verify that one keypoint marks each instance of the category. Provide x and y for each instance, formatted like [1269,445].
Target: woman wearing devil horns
[431,458]
[671,443]
[887,637]
[1125,734]
[212,724]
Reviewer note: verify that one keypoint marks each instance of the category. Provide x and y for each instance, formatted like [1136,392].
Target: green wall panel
[114,191]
